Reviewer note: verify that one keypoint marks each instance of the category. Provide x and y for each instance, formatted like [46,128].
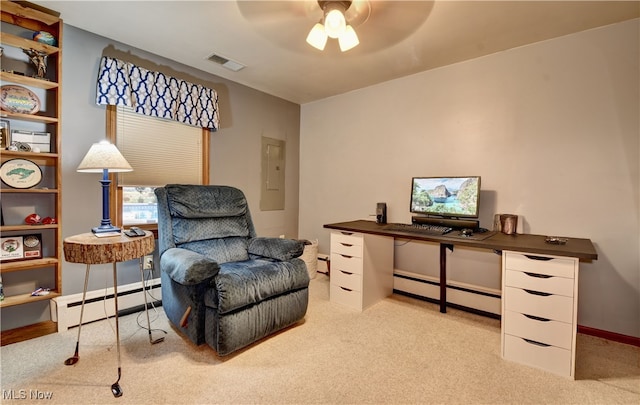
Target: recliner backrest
[212,220]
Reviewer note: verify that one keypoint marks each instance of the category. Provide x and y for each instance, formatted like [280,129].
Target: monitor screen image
[446,196]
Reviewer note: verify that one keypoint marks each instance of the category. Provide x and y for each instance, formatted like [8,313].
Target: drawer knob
[345,272]
[346,244]
[346,289]
[346,256]
[346,233]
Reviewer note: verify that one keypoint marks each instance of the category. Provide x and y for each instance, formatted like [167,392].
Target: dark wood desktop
[582,249]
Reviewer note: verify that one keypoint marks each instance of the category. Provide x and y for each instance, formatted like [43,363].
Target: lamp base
[105,229]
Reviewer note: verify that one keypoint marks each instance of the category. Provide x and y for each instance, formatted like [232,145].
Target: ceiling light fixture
[335,26]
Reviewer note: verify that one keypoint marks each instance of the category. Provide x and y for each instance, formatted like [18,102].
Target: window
[160,152]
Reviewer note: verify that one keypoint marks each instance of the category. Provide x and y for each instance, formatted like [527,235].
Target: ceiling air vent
[227,63]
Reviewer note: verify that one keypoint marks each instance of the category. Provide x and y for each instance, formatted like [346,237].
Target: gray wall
[245,114]
[553,130]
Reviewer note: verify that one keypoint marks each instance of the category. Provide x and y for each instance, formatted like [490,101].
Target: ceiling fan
[379,23]
[334,23]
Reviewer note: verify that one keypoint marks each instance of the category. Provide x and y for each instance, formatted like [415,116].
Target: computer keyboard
[424,229]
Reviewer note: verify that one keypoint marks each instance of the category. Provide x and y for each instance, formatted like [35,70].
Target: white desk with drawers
[539,284]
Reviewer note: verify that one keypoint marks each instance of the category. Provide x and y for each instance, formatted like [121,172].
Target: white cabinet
[539,311]
[361,269]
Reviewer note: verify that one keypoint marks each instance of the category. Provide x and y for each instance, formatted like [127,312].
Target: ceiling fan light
[317,37]
[334,21]
[348,39]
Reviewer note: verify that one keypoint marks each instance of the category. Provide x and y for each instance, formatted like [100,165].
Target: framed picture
[21,247]
[20,173]
[5,130]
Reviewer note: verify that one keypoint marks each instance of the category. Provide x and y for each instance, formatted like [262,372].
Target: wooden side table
[89,249]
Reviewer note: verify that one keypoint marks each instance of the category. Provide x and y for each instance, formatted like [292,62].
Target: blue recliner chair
[220,283]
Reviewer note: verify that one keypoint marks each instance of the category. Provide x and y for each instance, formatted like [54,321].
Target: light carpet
[400,351]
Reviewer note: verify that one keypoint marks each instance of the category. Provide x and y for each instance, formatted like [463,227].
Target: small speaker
[381,213]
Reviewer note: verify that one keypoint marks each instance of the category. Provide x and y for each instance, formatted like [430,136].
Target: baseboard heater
[481,300]
[323,263]
[99,303]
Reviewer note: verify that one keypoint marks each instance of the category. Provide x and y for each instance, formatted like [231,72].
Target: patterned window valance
[155,94]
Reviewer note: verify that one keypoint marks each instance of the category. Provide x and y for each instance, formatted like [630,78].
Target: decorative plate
[18,99]
[20,173]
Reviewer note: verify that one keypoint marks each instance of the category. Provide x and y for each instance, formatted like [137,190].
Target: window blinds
[160,151]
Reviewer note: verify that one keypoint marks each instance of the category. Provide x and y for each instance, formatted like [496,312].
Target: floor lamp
[105,158]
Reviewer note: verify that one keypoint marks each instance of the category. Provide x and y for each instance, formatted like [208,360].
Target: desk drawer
[346,297]
[352,281]
[550,358]
[555,307]
[350,238]
[349,264]
[345,248]
[539,282]
[551,332]
[549,265]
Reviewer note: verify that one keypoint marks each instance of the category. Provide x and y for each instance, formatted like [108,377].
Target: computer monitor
[452,197]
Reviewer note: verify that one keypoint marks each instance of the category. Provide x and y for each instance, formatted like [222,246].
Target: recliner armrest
[276,248]
[187,267]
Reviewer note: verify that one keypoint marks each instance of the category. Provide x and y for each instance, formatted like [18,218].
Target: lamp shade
[317,37]
[101,156]
[348,39]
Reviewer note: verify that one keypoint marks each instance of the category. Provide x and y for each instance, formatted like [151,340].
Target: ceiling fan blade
[358,12]
[379,24]
[271,12]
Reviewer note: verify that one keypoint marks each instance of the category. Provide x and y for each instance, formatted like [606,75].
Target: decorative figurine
[45,38]
[39,59]
[33,219]
[49,220]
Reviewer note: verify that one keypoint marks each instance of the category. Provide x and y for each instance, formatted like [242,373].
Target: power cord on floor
[151,302]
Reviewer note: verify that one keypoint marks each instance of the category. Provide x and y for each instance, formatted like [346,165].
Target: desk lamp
[105,158]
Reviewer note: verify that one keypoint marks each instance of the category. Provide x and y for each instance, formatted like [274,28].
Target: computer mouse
[466,232]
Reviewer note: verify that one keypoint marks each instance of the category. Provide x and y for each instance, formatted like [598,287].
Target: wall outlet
[147,262]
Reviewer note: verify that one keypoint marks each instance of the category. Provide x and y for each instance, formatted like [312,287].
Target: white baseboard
[322,263]
[466,295]
[66,310]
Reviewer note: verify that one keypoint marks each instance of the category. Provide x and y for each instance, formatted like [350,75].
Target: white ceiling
[399,38]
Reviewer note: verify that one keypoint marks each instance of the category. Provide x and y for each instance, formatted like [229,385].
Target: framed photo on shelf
[21,247]
[5,130]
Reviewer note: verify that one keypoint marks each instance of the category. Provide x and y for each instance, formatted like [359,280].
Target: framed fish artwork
[20,173]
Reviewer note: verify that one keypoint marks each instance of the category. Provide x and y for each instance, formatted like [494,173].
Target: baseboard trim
[470,299]
[613,336]
[484,301]
[99,304]
[449,304]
